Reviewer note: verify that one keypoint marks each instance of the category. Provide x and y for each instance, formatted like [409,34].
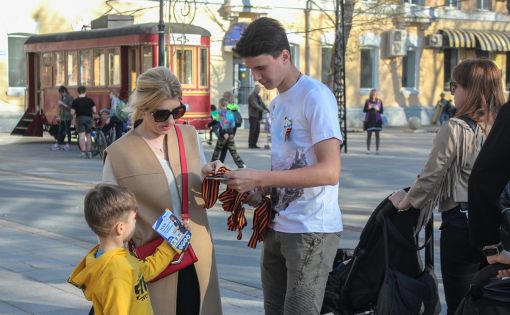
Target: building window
[482,54]
[326,53]
[60,69]
[294,54]
[485,5]
[72,68]
[413,2]
[185,65]
[368,68]
[203,67]
[86,68]
[451,59]
[455,4]
[409,70]
[16,57]
[146,58]
[114,66]
[99,67]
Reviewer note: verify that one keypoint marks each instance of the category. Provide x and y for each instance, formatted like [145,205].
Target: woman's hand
[502,258]
[400,201]
[225,136]
[185,222]
[213,167]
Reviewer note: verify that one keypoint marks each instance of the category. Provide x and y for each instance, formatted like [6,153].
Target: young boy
[110,277]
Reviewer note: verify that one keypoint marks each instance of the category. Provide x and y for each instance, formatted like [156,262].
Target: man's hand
[243,180]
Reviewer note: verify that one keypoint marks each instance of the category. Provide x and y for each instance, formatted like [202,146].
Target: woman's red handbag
[187,257]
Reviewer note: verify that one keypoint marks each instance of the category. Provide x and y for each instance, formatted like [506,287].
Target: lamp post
[161,36]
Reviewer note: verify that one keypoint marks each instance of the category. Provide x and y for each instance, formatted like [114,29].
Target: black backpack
[354,287]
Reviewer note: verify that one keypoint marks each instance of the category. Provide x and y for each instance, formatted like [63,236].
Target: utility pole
[161,36]
[339,69]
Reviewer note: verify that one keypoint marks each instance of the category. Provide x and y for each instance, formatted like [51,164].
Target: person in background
[373,121]
[110,277]
[443,181]
[114,120]
[256,108]
[65,117]
[214,124]
[226,137]
[84,108]
[146,160]
[304,230]
[447,109]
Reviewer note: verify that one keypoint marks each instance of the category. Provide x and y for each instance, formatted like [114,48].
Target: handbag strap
[184,173]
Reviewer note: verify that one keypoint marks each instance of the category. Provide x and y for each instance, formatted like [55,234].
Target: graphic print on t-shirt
[281,197]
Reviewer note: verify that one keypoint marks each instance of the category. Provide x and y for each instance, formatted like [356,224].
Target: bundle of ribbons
[232,201]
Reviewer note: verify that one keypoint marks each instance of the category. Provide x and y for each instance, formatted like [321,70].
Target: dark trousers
[188,292]
[369,138]
[64,129]
[254,132]
[459,261]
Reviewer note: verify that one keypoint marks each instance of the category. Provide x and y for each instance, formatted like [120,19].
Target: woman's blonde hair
[153,87]
[482,80]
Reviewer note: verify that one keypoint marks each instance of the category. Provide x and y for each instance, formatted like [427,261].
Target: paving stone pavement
[37,254]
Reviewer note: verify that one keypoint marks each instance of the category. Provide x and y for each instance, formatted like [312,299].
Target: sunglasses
[453,86]
[162,115]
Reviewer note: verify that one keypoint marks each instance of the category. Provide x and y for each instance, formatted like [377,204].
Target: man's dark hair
[264,36]
[81,89]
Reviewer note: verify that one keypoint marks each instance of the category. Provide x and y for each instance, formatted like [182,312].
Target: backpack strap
[470,122]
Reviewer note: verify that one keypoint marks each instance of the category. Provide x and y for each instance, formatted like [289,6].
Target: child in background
[110,277]
[214,124]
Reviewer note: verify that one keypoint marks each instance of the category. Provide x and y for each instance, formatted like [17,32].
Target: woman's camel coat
[135,166]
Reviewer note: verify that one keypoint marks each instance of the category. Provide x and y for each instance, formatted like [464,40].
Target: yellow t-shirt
[115,282]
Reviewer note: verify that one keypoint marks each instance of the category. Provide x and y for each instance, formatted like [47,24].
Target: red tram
[106,58]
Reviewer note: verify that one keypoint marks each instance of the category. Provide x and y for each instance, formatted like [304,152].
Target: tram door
[132,68]
[243,81]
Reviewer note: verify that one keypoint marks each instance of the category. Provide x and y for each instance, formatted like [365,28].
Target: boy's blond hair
[105,205]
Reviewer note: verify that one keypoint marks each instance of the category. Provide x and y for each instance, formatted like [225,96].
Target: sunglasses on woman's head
[453,86]
[162,115]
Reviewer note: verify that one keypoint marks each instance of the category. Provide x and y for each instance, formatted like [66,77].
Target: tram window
[146,58]
[203,67]
[60,69]
[16,59]
[46,71]
[85,68]
[99,67]
[72,68]
[114,66]
[185,65]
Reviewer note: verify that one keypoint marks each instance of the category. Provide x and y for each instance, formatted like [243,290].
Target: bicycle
[99,143]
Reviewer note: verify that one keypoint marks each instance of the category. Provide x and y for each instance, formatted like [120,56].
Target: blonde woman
[146,160]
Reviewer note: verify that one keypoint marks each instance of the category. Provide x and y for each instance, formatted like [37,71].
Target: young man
[110,277]
[256,108]
[84,108]
[304,234]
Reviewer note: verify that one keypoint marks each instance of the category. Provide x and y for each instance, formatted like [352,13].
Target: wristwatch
[492,250]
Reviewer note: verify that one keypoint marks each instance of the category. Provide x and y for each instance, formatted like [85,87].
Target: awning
[483,40]
[233,35]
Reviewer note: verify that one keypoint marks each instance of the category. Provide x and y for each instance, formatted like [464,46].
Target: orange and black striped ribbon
[260,222]
[210,188]
[232,201]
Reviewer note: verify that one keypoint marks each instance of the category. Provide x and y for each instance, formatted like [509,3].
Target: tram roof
[135,29]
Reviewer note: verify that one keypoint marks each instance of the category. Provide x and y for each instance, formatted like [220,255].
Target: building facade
[406,50]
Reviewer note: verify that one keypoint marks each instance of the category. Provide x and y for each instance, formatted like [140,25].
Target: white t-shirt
[302,116]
